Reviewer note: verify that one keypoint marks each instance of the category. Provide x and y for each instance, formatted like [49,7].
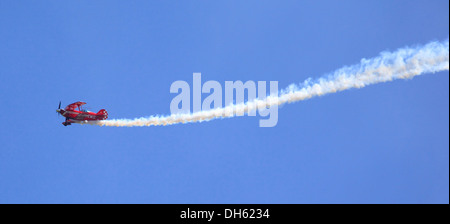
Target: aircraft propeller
[59,108]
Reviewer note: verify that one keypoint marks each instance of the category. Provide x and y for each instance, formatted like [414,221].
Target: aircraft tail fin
[103,113]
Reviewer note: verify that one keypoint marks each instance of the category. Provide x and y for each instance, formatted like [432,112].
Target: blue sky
[386,143]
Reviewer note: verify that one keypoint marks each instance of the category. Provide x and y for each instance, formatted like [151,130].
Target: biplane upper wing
[75,105]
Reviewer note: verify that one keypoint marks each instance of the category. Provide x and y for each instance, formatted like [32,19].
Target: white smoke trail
[404,63]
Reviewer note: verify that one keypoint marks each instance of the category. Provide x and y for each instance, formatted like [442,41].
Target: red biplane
[74,113]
